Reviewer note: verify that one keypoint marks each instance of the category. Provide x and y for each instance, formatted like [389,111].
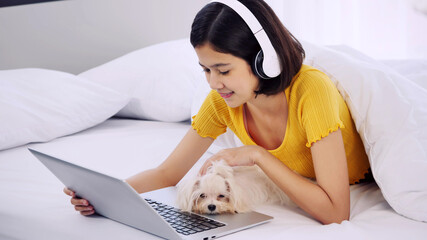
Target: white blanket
[34,207]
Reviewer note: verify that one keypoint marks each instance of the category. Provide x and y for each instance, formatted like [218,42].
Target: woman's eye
[221,196]
[224,73]
[202,195]
[206,70]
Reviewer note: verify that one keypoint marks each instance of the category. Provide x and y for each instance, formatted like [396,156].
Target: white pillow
[160,79]
[390,113]
[38,105]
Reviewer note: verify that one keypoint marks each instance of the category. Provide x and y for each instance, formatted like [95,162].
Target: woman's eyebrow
[216,65]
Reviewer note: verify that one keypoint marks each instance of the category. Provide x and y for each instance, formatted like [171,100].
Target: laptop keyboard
[184,222]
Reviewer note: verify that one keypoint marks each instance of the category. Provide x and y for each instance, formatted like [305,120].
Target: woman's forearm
[178,163]
[149,180]
[308,195]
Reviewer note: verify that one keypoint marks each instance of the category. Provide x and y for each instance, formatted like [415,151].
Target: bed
[34,207]
[126,115]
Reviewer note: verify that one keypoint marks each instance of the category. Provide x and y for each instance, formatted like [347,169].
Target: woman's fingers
[79,202]
[81,205]
[68,192]
[208,163]
[86,213]
[83,208]
[204,168]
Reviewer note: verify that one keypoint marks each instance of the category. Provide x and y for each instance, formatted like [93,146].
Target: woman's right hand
[80,204]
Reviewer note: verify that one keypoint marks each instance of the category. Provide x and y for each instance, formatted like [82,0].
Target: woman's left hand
[240,156]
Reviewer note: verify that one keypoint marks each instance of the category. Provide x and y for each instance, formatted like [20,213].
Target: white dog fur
[225,189]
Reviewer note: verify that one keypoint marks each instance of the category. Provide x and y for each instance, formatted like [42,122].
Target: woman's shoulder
[312,80]
[309,74]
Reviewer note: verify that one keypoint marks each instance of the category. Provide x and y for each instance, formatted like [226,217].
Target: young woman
[294,126]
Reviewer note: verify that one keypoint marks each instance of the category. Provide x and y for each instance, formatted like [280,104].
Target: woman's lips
[226,95]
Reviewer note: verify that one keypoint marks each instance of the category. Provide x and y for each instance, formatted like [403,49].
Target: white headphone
[266,64]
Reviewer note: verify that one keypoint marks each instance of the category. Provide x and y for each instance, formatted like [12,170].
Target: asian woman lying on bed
[330,150]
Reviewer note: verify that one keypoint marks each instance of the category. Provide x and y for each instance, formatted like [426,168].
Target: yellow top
[315,109]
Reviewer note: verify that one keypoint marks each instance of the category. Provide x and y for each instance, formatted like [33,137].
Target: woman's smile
[226,95]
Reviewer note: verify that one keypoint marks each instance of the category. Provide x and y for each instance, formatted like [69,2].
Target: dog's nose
[211,207]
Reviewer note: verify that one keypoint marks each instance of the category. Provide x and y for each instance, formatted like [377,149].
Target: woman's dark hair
[227,32]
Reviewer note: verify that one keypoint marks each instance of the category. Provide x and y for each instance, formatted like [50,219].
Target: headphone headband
[270,63]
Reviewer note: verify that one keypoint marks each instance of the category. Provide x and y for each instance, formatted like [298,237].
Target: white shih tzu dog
[225,189]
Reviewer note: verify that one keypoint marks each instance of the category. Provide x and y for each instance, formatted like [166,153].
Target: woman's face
[230,76]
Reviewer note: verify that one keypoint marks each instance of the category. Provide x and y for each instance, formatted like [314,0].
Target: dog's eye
[221,196]
[202,195]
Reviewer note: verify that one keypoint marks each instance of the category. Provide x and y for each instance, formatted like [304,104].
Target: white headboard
[76,35]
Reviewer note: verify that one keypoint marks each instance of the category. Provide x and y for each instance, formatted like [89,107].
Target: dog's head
[213,193]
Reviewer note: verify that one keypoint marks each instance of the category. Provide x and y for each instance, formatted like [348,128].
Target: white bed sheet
[32,205]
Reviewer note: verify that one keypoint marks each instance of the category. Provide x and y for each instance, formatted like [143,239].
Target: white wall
[77,35]
[383,29]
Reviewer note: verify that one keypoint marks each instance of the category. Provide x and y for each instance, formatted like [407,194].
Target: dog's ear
[186,194]
[237,196]
[227,184]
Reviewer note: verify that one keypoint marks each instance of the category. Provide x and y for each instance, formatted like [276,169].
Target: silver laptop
[117,200]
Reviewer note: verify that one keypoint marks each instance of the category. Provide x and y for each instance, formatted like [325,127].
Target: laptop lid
[117,200]
[111,197]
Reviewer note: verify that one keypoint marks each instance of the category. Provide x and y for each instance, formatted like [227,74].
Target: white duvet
[34,207]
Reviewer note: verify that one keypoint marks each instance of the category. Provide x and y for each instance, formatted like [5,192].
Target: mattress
[33,205]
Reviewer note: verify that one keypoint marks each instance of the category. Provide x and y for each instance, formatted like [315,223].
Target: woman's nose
[215,82]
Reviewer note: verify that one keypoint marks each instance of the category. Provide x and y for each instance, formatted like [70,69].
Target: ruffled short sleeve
[319,109]
[209,121]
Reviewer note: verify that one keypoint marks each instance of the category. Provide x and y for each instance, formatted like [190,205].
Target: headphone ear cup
[257,66]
